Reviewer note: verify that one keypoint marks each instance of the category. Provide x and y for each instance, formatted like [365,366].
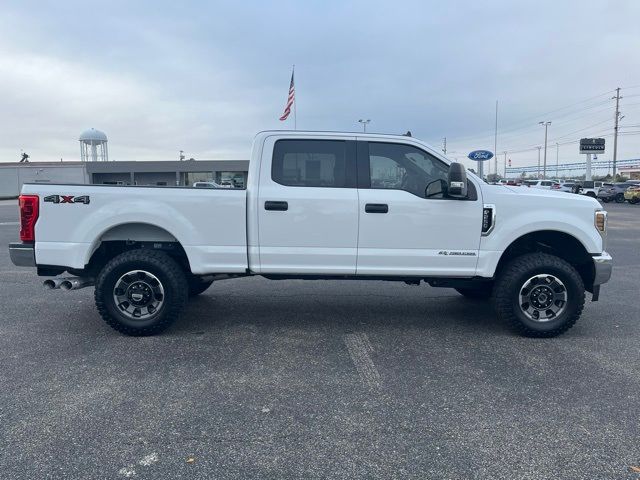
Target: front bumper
[22,254]
[603,265]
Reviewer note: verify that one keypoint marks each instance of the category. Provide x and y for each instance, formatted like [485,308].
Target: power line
[532,127]
[526,119]
[509,132]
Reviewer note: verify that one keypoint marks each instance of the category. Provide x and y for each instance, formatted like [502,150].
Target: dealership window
[313,163]
[193,177]
[232,179]
[397,166]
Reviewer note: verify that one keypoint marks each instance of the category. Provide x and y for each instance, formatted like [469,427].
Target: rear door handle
[278,206]
[376,208]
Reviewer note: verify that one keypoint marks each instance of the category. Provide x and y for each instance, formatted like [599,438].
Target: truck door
[404,231]
[308,206]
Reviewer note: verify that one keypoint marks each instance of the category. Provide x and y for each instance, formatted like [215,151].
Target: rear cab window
[314,163]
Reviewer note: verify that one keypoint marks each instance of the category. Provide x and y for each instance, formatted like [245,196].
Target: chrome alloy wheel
[543,298]
[139,295]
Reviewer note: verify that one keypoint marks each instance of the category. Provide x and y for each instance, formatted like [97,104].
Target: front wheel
[620,198]
[141,292]
[605,199]
[539,295]
[634,200]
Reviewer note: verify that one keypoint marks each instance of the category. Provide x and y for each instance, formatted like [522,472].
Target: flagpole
[295,101]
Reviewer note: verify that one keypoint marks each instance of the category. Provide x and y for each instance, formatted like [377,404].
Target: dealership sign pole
[480,156]
[589,146]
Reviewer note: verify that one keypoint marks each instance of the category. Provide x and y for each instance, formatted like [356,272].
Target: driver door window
[403,167]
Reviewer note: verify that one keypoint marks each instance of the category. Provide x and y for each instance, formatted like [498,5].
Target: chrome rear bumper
[22,254]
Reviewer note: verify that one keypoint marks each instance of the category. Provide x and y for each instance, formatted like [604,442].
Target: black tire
[163,270]
[620,198]
[511,282]
[591,194]
[634,200]
[605,199]
[197,285]
[483,292]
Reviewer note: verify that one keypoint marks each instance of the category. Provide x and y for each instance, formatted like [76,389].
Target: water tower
[93,146]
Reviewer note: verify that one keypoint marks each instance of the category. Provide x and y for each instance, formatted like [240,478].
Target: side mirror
[457,181]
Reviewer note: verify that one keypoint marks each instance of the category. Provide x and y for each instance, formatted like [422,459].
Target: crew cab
[321,205]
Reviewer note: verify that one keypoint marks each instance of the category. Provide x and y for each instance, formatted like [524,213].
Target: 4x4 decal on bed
[67,199]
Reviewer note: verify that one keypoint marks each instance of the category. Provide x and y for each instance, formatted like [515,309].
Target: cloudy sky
[204,77]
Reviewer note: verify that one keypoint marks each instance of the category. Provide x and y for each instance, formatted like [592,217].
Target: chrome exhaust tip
[75,283]
[52,283]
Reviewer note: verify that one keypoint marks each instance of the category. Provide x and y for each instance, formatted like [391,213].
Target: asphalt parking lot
[319,379]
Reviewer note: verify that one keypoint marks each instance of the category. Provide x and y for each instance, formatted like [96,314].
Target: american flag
[290,99]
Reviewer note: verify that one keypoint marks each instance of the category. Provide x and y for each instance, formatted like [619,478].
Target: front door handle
[376,208]
[278,206]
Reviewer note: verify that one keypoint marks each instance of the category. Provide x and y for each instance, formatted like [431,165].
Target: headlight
[600,221]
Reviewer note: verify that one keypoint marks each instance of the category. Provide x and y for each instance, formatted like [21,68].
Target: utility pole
[444,145]
[495,143]
[364,124]
[538,161]
[557,156]
[615,130]
[546,126]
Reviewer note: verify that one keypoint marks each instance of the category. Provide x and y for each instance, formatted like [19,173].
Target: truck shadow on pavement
[449,311]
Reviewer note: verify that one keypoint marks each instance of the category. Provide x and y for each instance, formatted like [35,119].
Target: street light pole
[505,164]
[557,155]
[538,176]
[364,124]
[546,126]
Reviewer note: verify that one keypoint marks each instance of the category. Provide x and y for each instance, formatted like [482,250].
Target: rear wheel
[141,292]
[539,295]
[605,199]
[634,200]
[591,194]
[620,198]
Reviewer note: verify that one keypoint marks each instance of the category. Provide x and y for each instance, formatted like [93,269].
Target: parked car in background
[632,194]
[614,192]
[590,188]
[544,184]
[564,187]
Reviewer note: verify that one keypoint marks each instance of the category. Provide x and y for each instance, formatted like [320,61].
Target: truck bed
[210,224]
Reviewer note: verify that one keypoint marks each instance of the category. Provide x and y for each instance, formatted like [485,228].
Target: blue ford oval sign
[480,155]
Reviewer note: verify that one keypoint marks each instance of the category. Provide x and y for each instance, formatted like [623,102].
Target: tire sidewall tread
[510,281]
[161,265]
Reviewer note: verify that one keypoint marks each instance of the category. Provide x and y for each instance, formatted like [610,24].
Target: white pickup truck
[321,205]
